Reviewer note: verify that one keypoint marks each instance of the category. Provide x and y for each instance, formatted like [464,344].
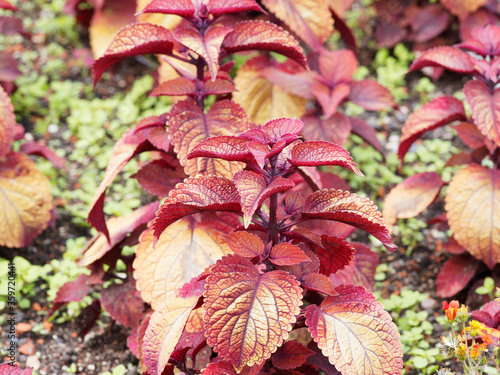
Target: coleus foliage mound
[251,297]
[227,293]
[473,194]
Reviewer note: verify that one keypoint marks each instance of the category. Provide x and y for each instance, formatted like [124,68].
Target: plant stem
[273,208]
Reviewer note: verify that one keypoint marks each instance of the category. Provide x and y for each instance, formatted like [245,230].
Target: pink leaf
[286,254]
[366,132]
[371,95]
[436,113]
[9,71]
[455,274]
[254,189]
[207,45]
[71,291]
[336,129]
[6,368]
[134,40]
[4,4]
[277,129]
[318,153]
[264,36]
[485,107]
[189,9]
[470,134]
[330,98]
[245,244]
[175,87]
[337,66]
[333,253]
[484,40]
[489,314]
[35,148]
[158,178]
[447,57]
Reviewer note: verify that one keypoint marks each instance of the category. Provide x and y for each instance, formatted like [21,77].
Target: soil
[104,347]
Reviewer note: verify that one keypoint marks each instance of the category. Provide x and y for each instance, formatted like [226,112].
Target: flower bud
[451,310]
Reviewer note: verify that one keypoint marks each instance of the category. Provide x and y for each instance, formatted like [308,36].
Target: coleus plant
[9,71]
[472,195]
[195,258]
[26,200]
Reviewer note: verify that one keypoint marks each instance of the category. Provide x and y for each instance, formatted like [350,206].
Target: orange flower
[477,349]
[451,310]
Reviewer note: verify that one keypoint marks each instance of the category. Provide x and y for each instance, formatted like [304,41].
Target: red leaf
[455,274]
[355,332]
[71,291]
[485,108]
[245,244]
[371,95]
[361,271]
[337,66]
[207,45]
[164,331]
[333,253]
[246,333]
[436,113]
[223,147]
[319,283]
[134,40]
[188,126]
[470,134]
[411,197]
[489,314]
[336,129]
[264,36]
[6,368]
[348,208]
[132,143]
[317,153]
[279,128]
[158,178]
[426,22]
[175,87]
[254,189]
[11,25]
[197,194]
[453,247]
[4,4]
[123,303]
[462,8]
[186,8]
[7,123]
[290,355]
[447,57]
[286,254]
[35,148]
[119,229]
[484,40]
[219,368]
[366,132]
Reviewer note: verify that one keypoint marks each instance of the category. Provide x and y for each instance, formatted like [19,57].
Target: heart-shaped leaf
[25,201]
[355,332]
[123,303]
[485,107]
[473,212]
[245,244]
[436,113]
[348,208]
[134,40]
[188,126]
[290,355]
[240,324]
[336,129]
[455,274]
[158,178]
[182,252]
[317,153]
[333,253]
[286,254]
[371,95]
